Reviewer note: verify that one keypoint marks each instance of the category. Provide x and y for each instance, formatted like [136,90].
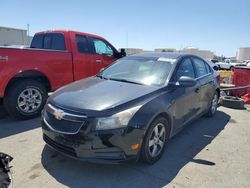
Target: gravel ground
[211,152]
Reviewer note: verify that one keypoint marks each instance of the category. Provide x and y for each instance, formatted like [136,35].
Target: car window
[37,41]
[82,44]
[58,42]
[53,41]
[185,69]
[102,48]
[209,70]
[200,67]
[47,42]
[148,70]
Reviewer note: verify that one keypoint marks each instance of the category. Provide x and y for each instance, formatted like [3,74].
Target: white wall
[243,54]
[10,36]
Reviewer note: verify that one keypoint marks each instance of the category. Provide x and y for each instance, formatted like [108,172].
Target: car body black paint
[96,97]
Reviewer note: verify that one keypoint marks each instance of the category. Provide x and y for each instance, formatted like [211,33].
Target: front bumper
[109,146]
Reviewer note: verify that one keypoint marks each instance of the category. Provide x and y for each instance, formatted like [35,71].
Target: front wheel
[25,99]
[155,140]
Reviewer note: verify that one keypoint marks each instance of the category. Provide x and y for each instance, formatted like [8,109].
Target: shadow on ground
[180,150]
[10,126]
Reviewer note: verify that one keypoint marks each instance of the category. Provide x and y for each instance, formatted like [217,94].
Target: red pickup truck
[55,58]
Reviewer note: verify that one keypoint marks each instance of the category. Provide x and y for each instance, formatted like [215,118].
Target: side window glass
[209,70]
[37,41]
[200,67]
[47,41]
[58,42]
[102,48]
[185,69]
[82,44]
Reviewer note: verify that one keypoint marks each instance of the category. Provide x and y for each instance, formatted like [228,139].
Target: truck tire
[232,102]
[25,99]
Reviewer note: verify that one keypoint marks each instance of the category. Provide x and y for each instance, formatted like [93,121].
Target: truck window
[54,41]
[58,42]
[82,44]
[37,41]
[47,42]
[102,48]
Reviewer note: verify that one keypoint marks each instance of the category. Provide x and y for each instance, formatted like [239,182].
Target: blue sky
[221,26]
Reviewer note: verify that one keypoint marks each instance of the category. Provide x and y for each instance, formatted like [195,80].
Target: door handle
[98,61]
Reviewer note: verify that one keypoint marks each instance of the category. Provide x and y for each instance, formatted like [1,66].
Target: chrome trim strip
[61,132]
[66,113]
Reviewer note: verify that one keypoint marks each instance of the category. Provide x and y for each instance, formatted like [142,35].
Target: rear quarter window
[37,41]
[53,41]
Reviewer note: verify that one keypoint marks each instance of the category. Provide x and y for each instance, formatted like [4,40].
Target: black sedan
[131,109]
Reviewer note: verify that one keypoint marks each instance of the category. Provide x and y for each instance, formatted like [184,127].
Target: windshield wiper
[124,80]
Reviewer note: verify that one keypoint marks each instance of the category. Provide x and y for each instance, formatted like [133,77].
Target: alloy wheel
[157,140]
[29,100]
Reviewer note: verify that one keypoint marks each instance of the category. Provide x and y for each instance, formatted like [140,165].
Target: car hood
[98,94]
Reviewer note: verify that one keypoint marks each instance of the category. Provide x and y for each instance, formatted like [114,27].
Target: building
[165,50]
[203,53]
[12,36]
[131,51]
[243,54]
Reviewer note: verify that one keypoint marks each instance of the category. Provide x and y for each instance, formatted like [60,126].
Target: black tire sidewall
[145,156]
[232,102]
[210,113]
[10,101]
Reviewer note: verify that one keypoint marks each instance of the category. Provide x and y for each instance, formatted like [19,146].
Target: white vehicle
[228,64]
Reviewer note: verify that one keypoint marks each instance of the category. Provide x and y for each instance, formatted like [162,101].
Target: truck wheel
[25,99]
[232,102]
[155,140]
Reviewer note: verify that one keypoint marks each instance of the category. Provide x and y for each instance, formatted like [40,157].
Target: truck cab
[54,59]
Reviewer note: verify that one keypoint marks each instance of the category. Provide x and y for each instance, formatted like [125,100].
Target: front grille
[62,148]
[60,121]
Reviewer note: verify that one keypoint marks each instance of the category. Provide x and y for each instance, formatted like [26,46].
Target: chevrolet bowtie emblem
[58,114]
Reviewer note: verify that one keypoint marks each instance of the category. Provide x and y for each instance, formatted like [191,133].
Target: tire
[25,99]
[232,102]
[3,112]
[147,151]
[231,68]
[213,106]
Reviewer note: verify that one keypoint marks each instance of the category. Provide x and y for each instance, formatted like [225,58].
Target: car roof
[172,55]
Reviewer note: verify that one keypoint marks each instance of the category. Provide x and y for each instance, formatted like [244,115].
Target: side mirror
[215,67]
[186,81]
[120,54]
[123,52]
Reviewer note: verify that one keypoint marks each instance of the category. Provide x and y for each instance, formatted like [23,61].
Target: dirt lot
[209,153]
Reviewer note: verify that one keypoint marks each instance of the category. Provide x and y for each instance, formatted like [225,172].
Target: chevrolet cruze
[130,109]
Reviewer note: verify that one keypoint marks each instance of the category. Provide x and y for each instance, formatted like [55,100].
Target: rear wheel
[213,105]
[25,99]
[155,140]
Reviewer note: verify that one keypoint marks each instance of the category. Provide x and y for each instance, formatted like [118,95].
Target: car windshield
[139,70]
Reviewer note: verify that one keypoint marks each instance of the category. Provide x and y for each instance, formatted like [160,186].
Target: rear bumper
[113,146]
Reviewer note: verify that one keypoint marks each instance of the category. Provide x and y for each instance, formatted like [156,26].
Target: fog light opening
[135,146]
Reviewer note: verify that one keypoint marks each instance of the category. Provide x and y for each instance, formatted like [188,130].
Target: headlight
[118,120]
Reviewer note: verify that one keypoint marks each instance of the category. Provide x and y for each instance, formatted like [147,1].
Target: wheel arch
[30,74]
[164,115]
